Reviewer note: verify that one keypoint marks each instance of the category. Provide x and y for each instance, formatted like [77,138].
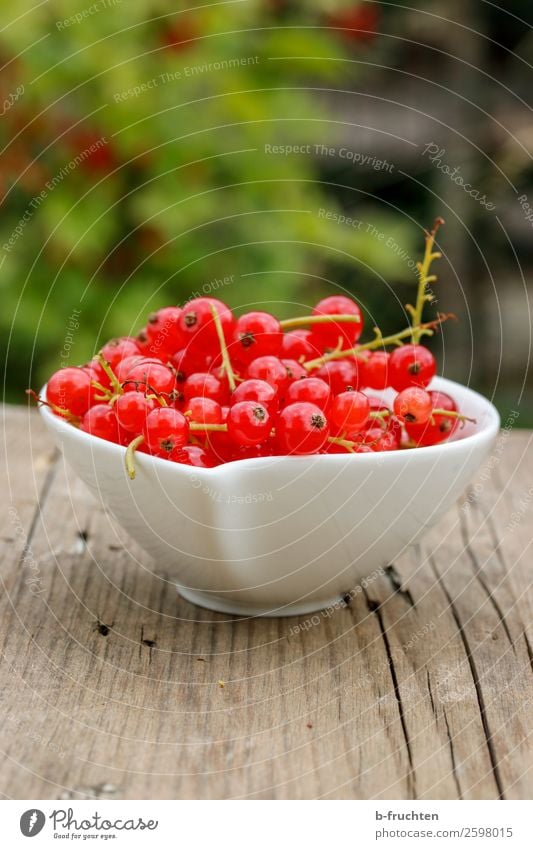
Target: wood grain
[113,687]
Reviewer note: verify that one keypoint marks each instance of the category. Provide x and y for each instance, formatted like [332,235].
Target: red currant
[310,389]
[194,455]
[249,423]
[375,370]
[350,411]
[256,390]
[413,405]
[101,421]
[71,389]
[297,345]
[257,334]
[204,411]
[165,429]
[198,327]
[163,333]
[118,349]
[439,427]
[271,370]
[327,335]
[204,385]
[411,365]
[131,410]
[340,374]
[302,428]
[150,376]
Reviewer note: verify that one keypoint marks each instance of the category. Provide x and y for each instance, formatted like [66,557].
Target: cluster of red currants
[202,387]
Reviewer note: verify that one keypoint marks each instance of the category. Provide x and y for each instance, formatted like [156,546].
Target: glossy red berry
[198,327]
[101,421]
[71,389]
[204,411]
[118,349]
[150,376]
[411,365]
[256,390]
[413,405]
[165,430]
[163,333]
[327,335]
[302,428]
[249,423]
[257,334]
[194,455]
[131,410]
[341,375]
[297,345]
[439,427]
[271,370]
[350,411]
[310,389]
[375,370]
[203,385]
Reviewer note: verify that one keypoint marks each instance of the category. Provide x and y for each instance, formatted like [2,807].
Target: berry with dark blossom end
[302,428]
[249,423]
[101,421]
[294,370]
[413,406]
[329,334]
[71,389]
[257,334]
[197,324]
[350,411]
[163,333]
[411,365]
[165,429]
[310,389]
[440,427]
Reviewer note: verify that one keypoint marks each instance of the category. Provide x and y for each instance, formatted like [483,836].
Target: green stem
[113,379]
[226,362]
[424,279]
[304,320]
[130,456]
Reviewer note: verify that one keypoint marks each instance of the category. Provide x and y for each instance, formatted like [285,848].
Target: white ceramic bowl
[282,536]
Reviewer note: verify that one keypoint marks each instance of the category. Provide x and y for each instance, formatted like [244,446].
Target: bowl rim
[486,432]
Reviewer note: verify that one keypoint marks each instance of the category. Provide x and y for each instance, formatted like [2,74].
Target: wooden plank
[113,687]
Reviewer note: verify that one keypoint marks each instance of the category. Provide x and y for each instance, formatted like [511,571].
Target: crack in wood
[452,753]
[375,607]
[397,584]
[477,685]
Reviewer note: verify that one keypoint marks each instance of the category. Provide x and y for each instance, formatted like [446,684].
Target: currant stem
[451,414]
[61,411]
[226,362]
[345,443]
[130,456]
[221,428]
[304,320]
[380,341]
[115,383]
[423,279]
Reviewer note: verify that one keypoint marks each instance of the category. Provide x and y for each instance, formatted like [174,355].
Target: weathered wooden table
[112,687]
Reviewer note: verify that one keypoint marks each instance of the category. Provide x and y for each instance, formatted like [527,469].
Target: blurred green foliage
[142,133]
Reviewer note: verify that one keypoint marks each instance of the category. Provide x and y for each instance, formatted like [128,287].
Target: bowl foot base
[234,608]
